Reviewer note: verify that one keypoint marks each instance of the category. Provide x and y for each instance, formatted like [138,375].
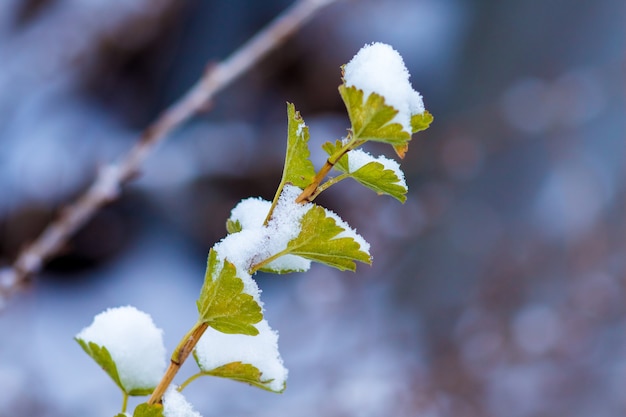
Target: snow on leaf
[375,176]
[323,240]
[222,304]
[379,174]
[298,169]
[251,359]
[128,346]
[176,405]
[371,118]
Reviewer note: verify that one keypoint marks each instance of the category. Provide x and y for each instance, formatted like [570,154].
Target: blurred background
[498,289]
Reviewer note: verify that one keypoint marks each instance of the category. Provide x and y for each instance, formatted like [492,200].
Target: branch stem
[107,184]
[181,353]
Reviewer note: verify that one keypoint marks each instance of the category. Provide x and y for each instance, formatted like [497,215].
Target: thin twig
[107,184]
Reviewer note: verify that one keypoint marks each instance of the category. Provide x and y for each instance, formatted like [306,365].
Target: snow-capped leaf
[243,372]
[384,181]
[102,357]
[148,410]
[373,175]
[222,304]
[298,169]
[319,242]
[371,118]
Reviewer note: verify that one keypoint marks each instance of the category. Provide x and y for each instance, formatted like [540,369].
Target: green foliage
[373,175]
[233,226]
[148,410]
[318,242]
[298,169]
[371,119]
[102,357]
[270,270]
[222,304]
[419,122]
[242,372]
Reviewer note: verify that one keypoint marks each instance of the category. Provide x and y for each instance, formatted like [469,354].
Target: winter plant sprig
[231,338]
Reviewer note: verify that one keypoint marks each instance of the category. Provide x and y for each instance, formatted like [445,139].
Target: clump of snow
[348,231]
[134,342]
[175,405]
[358,158]
[251,212]
[285,223]
[378,68]
[290,263]
[216,349]
[256,242]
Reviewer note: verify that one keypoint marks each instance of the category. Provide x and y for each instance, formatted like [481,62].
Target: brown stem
[107,184]
[311,191]
[179,357]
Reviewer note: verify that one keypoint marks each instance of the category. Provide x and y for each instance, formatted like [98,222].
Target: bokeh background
[497,290]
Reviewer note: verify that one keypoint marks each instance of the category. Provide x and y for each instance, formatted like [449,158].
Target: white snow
[255,242]
[175,405]
[378,68]
[348,231]
[291,263]
[134,342]
[358,158]
[216,349]
[251,212]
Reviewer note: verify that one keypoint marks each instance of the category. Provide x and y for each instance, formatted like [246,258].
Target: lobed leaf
[318,242]
[233,226]
[374,176]
[298,169]
[419,122]
[371,118]
[243,372]
[102,357]
[222,304]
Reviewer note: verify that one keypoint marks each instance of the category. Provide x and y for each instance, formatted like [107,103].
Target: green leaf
[374,176]
[318,242]
[233,226]
[243,372]
[148,410]
[371,119]
[298,170]
[331,149]
[101,355]
[222,304]
[419,122]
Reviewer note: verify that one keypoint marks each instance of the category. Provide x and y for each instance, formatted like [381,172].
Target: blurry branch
[110,178]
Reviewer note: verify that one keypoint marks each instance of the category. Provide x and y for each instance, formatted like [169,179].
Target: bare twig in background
[107,184]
